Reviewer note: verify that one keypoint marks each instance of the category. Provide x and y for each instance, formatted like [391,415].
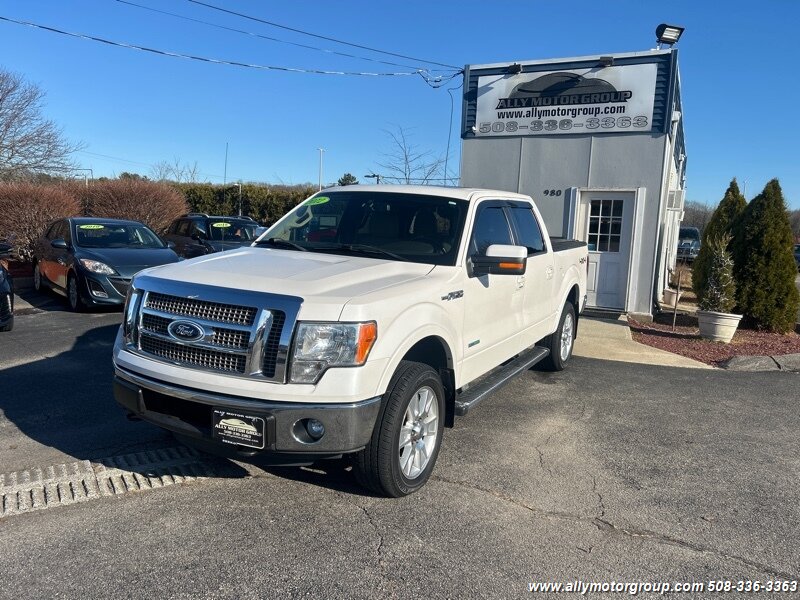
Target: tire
[74,295]
[562,341]
[8,326]
[386,467]
[37,278]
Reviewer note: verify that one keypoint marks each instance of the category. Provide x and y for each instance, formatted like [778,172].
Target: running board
[494,381]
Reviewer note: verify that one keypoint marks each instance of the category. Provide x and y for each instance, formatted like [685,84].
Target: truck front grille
[191,355]
[239,332]
[201,309]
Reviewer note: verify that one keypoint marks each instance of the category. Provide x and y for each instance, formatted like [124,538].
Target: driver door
[493,304]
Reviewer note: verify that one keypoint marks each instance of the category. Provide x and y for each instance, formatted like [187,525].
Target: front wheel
[73,295]
[562,341]
[405,443]
[37,278]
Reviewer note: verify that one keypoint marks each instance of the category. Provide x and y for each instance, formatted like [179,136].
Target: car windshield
[232,230]
[115,235]
[689,233]
[395,225]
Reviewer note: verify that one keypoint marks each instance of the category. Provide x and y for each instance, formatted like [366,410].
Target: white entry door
[605,223]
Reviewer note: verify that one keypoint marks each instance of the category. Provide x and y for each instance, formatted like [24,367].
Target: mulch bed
[686,341]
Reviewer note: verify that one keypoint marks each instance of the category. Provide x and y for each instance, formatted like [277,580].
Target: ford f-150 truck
[361,324]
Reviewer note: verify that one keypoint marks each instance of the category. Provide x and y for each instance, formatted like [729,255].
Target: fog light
[97,290]
[315,428]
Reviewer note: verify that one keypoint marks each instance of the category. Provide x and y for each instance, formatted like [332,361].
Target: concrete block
[788,362]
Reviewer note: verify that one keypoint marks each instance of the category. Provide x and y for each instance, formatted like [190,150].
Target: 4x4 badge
[454,295]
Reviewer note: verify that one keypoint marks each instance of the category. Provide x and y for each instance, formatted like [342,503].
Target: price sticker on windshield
[91,226]
[221,225]
[317,200]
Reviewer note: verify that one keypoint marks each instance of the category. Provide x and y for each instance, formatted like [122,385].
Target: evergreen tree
[720,291]
[724,222]
[765,270]
[347,179]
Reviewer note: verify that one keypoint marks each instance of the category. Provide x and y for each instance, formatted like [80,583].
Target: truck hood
[328,279]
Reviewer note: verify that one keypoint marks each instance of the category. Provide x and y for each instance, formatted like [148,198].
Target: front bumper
[188,413]
[103,290]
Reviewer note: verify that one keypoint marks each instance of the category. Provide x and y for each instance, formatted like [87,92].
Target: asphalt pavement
[607,471]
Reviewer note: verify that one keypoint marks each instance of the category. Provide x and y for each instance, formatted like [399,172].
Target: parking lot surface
[605,472]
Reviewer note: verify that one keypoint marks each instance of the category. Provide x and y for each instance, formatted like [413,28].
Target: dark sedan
[6,292]
[91,261]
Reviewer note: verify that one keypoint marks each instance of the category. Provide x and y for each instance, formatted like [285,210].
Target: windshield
[689,233]
[410,227]
[115,235]
[231,230]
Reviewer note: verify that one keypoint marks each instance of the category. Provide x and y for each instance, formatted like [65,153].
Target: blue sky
[738,65]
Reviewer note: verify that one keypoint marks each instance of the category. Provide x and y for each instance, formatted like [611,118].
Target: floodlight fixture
[668,34]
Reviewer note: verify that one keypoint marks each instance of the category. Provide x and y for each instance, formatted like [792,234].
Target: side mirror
[60,244]
[500,259]
[171,245]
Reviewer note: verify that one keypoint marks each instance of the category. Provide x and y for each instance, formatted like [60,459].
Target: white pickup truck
[361,324]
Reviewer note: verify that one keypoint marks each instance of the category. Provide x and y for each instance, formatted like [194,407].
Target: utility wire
[322,37]
[210,60]
[266,37]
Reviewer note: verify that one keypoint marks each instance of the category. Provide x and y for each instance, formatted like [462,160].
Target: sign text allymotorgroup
[569,101]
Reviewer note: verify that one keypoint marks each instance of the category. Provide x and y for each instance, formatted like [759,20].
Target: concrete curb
[786,362]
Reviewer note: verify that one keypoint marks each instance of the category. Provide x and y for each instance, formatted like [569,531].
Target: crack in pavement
[381,543]
[609,528]
[558,431]
[600,505]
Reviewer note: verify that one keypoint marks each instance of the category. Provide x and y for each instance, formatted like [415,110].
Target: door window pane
[605,225]
[530,235]
[491,227]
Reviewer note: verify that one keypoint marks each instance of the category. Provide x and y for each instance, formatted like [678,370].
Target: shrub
[154,204]
[27,208]
[265,203]
[765,270]
[719,293]
[724,222]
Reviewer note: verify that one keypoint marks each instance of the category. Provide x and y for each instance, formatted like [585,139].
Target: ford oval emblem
[186,331]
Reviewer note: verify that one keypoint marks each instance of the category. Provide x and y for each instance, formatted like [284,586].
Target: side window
[51,233]
[66,232]
[173,227]
[528,231]
[58,231]
[183,228]
[491,227]
[199,228]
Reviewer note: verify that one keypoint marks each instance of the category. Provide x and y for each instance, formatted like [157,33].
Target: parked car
[91,261]
[6,292]
[688,244]
[797,255]
[196,234]
[360,324]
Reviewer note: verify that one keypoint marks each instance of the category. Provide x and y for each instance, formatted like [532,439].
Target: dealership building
[598,142]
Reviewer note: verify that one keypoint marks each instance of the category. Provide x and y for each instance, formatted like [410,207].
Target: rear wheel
[405,442]
[8,326]
[562,341]
[37,277]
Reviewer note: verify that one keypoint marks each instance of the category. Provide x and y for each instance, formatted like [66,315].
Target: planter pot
[671,297]
[717,326]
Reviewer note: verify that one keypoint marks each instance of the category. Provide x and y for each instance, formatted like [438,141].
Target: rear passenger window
[183,228]
[528,230]
[491,227]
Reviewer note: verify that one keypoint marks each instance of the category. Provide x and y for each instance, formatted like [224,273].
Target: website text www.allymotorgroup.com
[560,119]
[634,588]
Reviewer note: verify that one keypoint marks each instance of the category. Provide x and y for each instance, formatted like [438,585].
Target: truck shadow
[66,402]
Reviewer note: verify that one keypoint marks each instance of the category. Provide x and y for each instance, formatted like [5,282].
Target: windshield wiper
[365,249]
[279,242]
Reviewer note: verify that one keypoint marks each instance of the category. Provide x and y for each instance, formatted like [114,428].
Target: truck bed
[560,244]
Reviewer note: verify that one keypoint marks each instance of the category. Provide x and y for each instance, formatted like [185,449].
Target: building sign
[572,101]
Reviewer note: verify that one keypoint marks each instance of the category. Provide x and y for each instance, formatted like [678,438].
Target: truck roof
[458,193]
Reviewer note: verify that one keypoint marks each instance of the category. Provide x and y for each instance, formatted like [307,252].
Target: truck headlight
[318,346]
[95,266]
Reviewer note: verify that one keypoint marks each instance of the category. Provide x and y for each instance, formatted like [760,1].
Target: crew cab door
[539,278]
[493,304]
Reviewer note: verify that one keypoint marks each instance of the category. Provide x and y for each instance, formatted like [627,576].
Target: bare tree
[697,214]
[406,163]
[29,143]
[176,170]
